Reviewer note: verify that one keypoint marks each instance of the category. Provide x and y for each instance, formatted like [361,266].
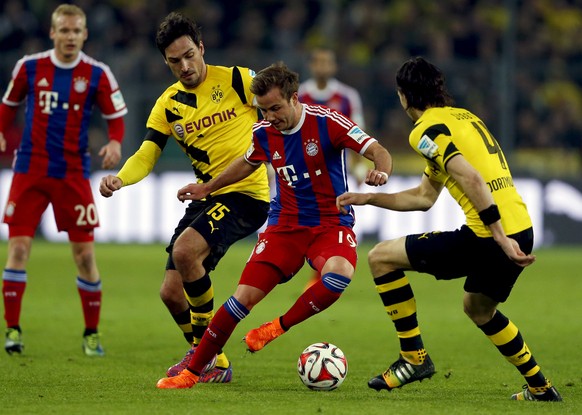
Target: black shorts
[460,253]
[221,220]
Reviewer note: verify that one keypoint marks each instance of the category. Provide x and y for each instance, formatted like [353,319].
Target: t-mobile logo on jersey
[49,100]
[290,176]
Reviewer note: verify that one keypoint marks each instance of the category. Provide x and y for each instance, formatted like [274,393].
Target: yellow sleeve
[140,164]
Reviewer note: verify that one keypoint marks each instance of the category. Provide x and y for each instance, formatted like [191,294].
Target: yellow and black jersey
[211,123]
[440,134]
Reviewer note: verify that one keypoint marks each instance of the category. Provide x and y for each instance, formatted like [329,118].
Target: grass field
[141,341]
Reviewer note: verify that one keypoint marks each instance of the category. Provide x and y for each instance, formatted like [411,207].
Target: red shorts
[71,198]
[286,248]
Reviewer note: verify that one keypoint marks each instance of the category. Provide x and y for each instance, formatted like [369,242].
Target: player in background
[59,88]
[490,250]
[323,88]
[306,146]
[209,111]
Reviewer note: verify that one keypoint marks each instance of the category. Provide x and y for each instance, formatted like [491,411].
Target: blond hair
[68,10]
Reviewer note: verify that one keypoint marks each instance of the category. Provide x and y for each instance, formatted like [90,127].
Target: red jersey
[59,99]
[310,163]
[336,95]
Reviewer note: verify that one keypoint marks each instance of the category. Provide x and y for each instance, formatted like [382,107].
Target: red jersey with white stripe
[337,96]
[310,165]
[60,97]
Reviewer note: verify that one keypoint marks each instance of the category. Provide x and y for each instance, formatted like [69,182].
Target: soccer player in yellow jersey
[490,250]
[209,111]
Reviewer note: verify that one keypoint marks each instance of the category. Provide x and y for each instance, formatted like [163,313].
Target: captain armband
[490,215]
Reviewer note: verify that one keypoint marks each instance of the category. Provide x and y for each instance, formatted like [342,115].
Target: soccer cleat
[183,364]
[401,372]
[184,380]
[258,338]
[546,393]
[13,343]
[217,375]
[92,345]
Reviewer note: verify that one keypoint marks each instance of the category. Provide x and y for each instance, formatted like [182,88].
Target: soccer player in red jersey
[306,146]
[323,88]
[59,87]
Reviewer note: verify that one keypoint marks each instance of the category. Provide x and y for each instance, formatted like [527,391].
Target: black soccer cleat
[401,372]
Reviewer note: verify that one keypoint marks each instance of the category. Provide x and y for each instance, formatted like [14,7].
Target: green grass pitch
[141,341]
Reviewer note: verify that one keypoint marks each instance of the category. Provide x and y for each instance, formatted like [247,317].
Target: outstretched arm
[138,166]
[422,197]
[237,170]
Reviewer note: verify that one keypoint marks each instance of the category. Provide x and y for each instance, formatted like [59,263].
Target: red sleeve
[7,116]
[116,127]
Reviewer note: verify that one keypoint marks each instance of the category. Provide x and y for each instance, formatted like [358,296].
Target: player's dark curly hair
[176,25]
[276,75]
[422,84]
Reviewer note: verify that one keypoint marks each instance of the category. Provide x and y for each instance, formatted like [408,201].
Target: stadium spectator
[490,250]
[473,45]
[306,146]
[209,111]
[60,87]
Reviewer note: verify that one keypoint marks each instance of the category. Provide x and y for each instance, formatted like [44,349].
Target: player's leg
[388,260]
[484,290]
[332,251]
[237,307]
[75,213]
[213,226]
[90,291]
[14,280]
[507,338]
[24,208]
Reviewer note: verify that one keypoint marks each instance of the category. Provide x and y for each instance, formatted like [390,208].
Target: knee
[181,255]
[172,292]
[19,251]
[478,313]
[375,256]
[85,259]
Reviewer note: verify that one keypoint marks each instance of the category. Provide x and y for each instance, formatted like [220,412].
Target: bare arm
[237,170]
[382,164]
[422,197]
[478,193]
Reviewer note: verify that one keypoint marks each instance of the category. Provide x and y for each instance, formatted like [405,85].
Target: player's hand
[111,153]
[514,252]
[193,191]
[351,199]
[2,143]
[110,184]
[376,178]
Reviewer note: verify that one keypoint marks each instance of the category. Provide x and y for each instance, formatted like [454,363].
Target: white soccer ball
[322,366]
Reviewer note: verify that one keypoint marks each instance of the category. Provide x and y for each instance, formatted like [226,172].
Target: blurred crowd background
[515,63]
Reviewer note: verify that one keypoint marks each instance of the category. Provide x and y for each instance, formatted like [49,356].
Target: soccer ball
[322,366]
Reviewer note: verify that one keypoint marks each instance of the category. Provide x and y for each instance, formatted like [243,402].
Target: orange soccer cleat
[258,338]
[184,380]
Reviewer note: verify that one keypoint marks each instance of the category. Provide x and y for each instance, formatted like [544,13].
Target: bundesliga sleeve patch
[250,150]
[357,134]
[427,147]
[117,100]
